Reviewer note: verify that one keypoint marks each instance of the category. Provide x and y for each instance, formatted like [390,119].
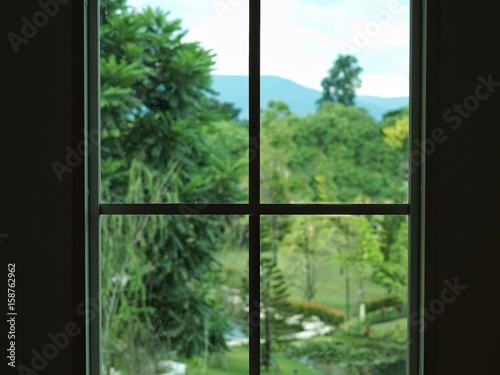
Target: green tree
[358,250]
[157,108]
[276,146]
[344,147]
[342,81]
[273,294]
[392,273]
[395,128]
[307,243]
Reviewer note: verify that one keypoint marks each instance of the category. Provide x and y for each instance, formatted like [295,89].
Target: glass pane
[334,98]
[175,295]
[334,294]
[167,134]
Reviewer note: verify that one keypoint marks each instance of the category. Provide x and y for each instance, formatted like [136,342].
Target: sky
[302,38]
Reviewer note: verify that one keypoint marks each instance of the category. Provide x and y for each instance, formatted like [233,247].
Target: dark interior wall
[41,115]
[463,200]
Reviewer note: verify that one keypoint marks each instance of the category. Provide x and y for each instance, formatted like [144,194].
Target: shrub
[385,315]
[326,314]
[374,304]
[352,354]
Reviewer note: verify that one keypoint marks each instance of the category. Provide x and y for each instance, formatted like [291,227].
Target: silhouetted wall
[41,218]
[463,180]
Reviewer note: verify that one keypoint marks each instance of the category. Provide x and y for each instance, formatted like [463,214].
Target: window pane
[334,294]
[175,294]
[167,135]
[334,98]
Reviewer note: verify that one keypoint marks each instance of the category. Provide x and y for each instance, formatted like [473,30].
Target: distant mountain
[302,100]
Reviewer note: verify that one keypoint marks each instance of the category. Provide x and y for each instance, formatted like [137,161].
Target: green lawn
[236,363]
[388,326]
[331,283]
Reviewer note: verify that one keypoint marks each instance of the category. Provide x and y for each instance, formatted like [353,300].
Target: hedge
[326,314]
[374,304]
[390,313]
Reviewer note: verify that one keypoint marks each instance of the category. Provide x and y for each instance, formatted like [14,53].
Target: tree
[276,145]
[307,244]
[273,294]
[338,156]
[342,81]
[396,127]
[156,111]
[357,250]
[392,273]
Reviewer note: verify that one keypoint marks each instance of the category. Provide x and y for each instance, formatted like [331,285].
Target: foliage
[394,331]
[308,243]
[397,135]
[155,107]
[273,294]
[236,362]
[392,273]
[277,146]
[357,245]
[342,81]
[171,282]
[155,90]
[335,155]
[273,288]
[396,127]
[375,304]
[326,314]
[350,138]
[386,314]
[127,318]
[352,353]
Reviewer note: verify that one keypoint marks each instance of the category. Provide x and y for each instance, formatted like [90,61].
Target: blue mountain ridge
[300,99]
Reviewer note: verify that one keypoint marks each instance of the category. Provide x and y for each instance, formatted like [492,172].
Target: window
[212,227]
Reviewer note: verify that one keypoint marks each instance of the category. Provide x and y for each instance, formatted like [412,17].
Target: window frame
[254,209]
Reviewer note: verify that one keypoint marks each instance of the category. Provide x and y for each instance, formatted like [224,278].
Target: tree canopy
[155,113]
[342,81]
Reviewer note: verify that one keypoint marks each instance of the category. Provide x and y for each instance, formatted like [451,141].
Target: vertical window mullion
[254,294]
[254,106]
[254,187]
[415,241]
[93,186]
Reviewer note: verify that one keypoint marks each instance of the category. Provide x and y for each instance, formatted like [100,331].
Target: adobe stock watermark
[254,318]
[223,6]
[198,207]
[192,209]
[74,158]
[380,20]
[437,306]
[454,116]
[30,27]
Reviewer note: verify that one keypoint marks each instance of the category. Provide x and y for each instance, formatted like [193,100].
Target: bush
[387,315]
[374,304]
[326,314]
[354,354]
[397,334]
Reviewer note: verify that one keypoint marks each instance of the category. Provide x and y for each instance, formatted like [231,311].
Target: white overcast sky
[302,38]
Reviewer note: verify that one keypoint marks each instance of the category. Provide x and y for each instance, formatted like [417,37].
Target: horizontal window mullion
[259,209]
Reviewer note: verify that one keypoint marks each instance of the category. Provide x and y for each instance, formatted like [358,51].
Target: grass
[331,283]
[236,362]
[389,326]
